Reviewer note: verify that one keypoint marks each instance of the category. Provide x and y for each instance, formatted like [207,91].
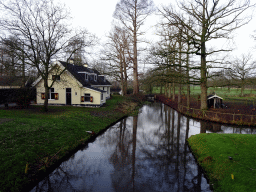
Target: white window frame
[86,75]
[50,93]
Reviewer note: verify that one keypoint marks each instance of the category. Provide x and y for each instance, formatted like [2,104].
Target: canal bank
[34,142]
[228,160]
[232,115]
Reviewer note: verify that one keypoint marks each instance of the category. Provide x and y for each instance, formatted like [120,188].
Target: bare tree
[12,59]
[243,68]
[117,53]
[132,14]
[42,28]
[214,19]
[76,47]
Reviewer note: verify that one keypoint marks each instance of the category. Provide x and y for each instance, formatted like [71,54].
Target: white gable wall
[68,81]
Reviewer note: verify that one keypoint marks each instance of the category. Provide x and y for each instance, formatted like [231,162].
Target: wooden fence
[218,116]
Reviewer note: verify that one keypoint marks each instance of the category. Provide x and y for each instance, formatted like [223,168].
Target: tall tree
[214,19]
[12,59]
[117,54]
[42,28]
[243,68]
[132,14]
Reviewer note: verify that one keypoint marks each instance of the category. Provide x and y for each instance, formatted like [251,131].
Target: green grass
[226,94]
[213,151]
[38,138]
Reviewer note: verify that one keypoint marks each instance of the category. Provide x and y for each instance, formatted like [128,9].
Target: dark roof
[75,69]
[12,80]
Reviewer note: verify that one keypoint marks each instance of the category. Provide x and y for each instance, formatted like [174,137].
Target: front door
[68,96]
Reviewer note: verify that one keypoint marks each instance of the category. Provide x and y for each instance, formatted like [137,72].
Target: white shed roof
[214,96]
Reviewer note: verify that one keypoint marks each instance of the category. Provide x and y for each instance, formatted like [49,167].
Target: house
[214,101]
[77,86]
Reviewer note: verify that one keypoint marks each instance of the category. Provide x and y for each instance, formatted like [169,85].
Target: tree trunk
[173,91]
[203,80]
[125,80]
[188,80]
[169,90]
[165,90]
[45,108]
[180,72]
[188,95]
[135,59]
[242,89]
[203,64]
[122,79]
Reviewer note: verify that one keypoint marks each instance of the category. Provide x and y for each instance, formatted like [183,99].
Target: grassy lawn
[213,152]
[35,140]
[232,94]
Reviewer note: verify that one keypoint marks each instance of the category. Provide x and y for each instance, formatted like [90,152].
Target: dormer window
[103,77]
[56,77]
[84,75]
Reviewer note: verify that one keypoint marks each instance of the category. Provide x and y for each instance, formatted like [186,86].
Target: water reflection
[147,152]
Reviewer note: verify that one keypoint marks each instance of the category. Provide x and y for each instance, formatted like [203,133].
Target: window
[51,93]
[84,75]
[56,77]
[87,97]
[102,96]
[103,88]
[95,77]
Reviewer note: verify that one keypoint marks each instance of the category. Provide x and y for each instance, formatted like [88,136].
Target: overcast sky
[96,17]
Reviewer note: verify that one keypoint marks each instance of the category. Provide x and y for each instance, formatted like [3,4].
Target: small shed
[214,101]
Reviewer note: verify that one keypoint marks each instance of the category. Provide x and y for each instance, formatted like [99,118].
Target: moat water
[147,152]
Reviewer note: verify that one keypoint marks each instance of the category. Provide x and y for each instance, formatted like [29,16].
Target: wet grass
[229,160]
[31,140]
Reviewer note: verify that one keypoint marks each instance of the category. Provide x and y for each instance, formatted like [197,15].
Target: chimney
[71,61]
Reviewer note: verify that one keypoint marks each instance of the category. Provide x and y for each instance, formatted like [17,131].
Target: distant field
[231,94]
